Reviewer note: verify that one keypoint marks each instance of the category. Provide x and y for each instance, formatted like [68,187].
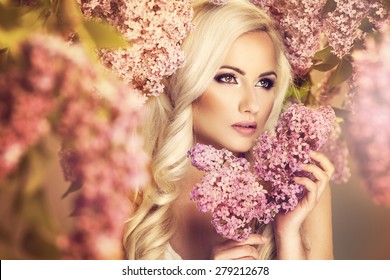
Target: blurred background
[361,228]
[55,96]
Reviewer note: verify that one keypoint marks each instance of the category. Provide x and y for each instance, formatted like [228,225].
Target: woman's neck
[195,234]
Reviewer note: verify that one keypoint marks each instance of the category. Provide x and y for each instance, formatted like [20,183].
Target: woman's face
[233,110]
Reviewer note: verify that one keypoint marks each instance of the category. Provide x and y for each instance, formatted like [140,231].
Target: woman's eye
[266,83]
[226,78]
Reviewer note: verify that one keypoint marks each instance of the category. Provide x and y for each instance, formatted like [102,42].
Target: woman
[230,90]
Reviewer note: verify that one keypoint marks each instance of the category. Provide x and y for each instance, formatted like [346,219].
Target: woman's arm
[306,232]
[316,230]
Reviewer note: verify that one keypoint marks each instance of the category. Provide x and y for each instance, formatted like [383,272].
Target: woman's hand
[292,221]
[287,226]
[234,250]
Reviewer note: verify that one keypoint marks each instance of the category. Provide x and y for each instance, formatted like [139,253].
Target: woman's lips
[245,128]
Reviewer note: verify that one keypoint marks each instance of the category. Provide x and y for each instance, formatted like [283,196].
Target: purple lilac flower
[278,156]
[368,127]
[235,196]
[341,26]
[156,29]
[300,24]
[336,149]
[218,2]
[228,190]
[59,90]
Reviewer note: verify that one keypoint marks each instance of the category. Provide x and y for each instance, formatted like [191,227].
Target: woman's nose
[249,102]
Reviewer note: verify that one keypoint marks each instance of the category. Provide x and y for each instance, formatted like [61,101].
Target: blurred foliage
[56,17]
[28,230]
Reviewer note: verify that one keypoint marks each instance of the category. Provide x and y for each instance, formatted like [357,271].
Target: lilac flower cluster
[155,28]
[302,23]
[26,101]
[95,117]
[278,157]
[336,149]
[368,129]
[341,25]
[234,195]
[218,2]
[228,190]
[102,151]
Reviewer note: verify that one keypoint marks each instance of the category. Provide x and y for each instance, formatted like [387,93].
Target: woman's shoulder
[170,254]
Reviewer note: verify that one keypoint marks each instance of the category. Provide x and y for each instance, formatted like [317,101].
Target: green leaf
[39,246]
[386,3]
[35,210]
[325,60]
[5,236]
[329,6]
[367,26]
[74,186]
[11,39]
[38,165]
[3,58]
[104,35]
[343,71]
[300,93]
[9,16]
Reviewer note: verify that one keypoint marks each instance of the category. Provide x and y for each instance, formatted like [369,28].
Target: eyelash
[219,79]
[270,83]
[233,80]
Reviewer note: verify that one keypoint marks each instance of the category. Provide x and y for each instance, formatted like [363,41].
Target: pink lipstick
[245,128]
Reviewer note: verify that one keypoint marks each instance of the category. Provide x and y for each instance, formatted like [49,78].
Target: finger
[322,177]
[253,239]
[311,187]
[247,258]
[324,162]
[239,252]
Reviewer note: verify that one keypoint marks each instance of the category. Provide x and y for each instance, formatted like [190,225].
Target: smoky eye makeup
[226,78]
[266,83]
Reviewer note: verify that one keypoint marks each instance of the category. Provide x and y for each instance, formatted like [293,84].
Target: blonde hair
[168,128]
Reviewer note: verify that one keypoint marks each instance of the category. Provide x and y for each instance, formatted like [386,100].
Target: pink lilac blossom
[341,25]
[96,119]
[368,129]
[278,157]
[228,190]
[26,100]
[336,149]
[300,24]
[218,2]
[234,195]
[155,28]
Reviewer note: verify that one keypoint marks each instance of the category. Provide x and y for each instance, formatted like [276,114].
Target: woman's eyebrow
[268,74]
[238,70]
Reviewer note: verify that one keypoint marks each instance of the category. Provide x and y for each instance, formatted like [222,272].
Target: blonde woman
[230,90]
